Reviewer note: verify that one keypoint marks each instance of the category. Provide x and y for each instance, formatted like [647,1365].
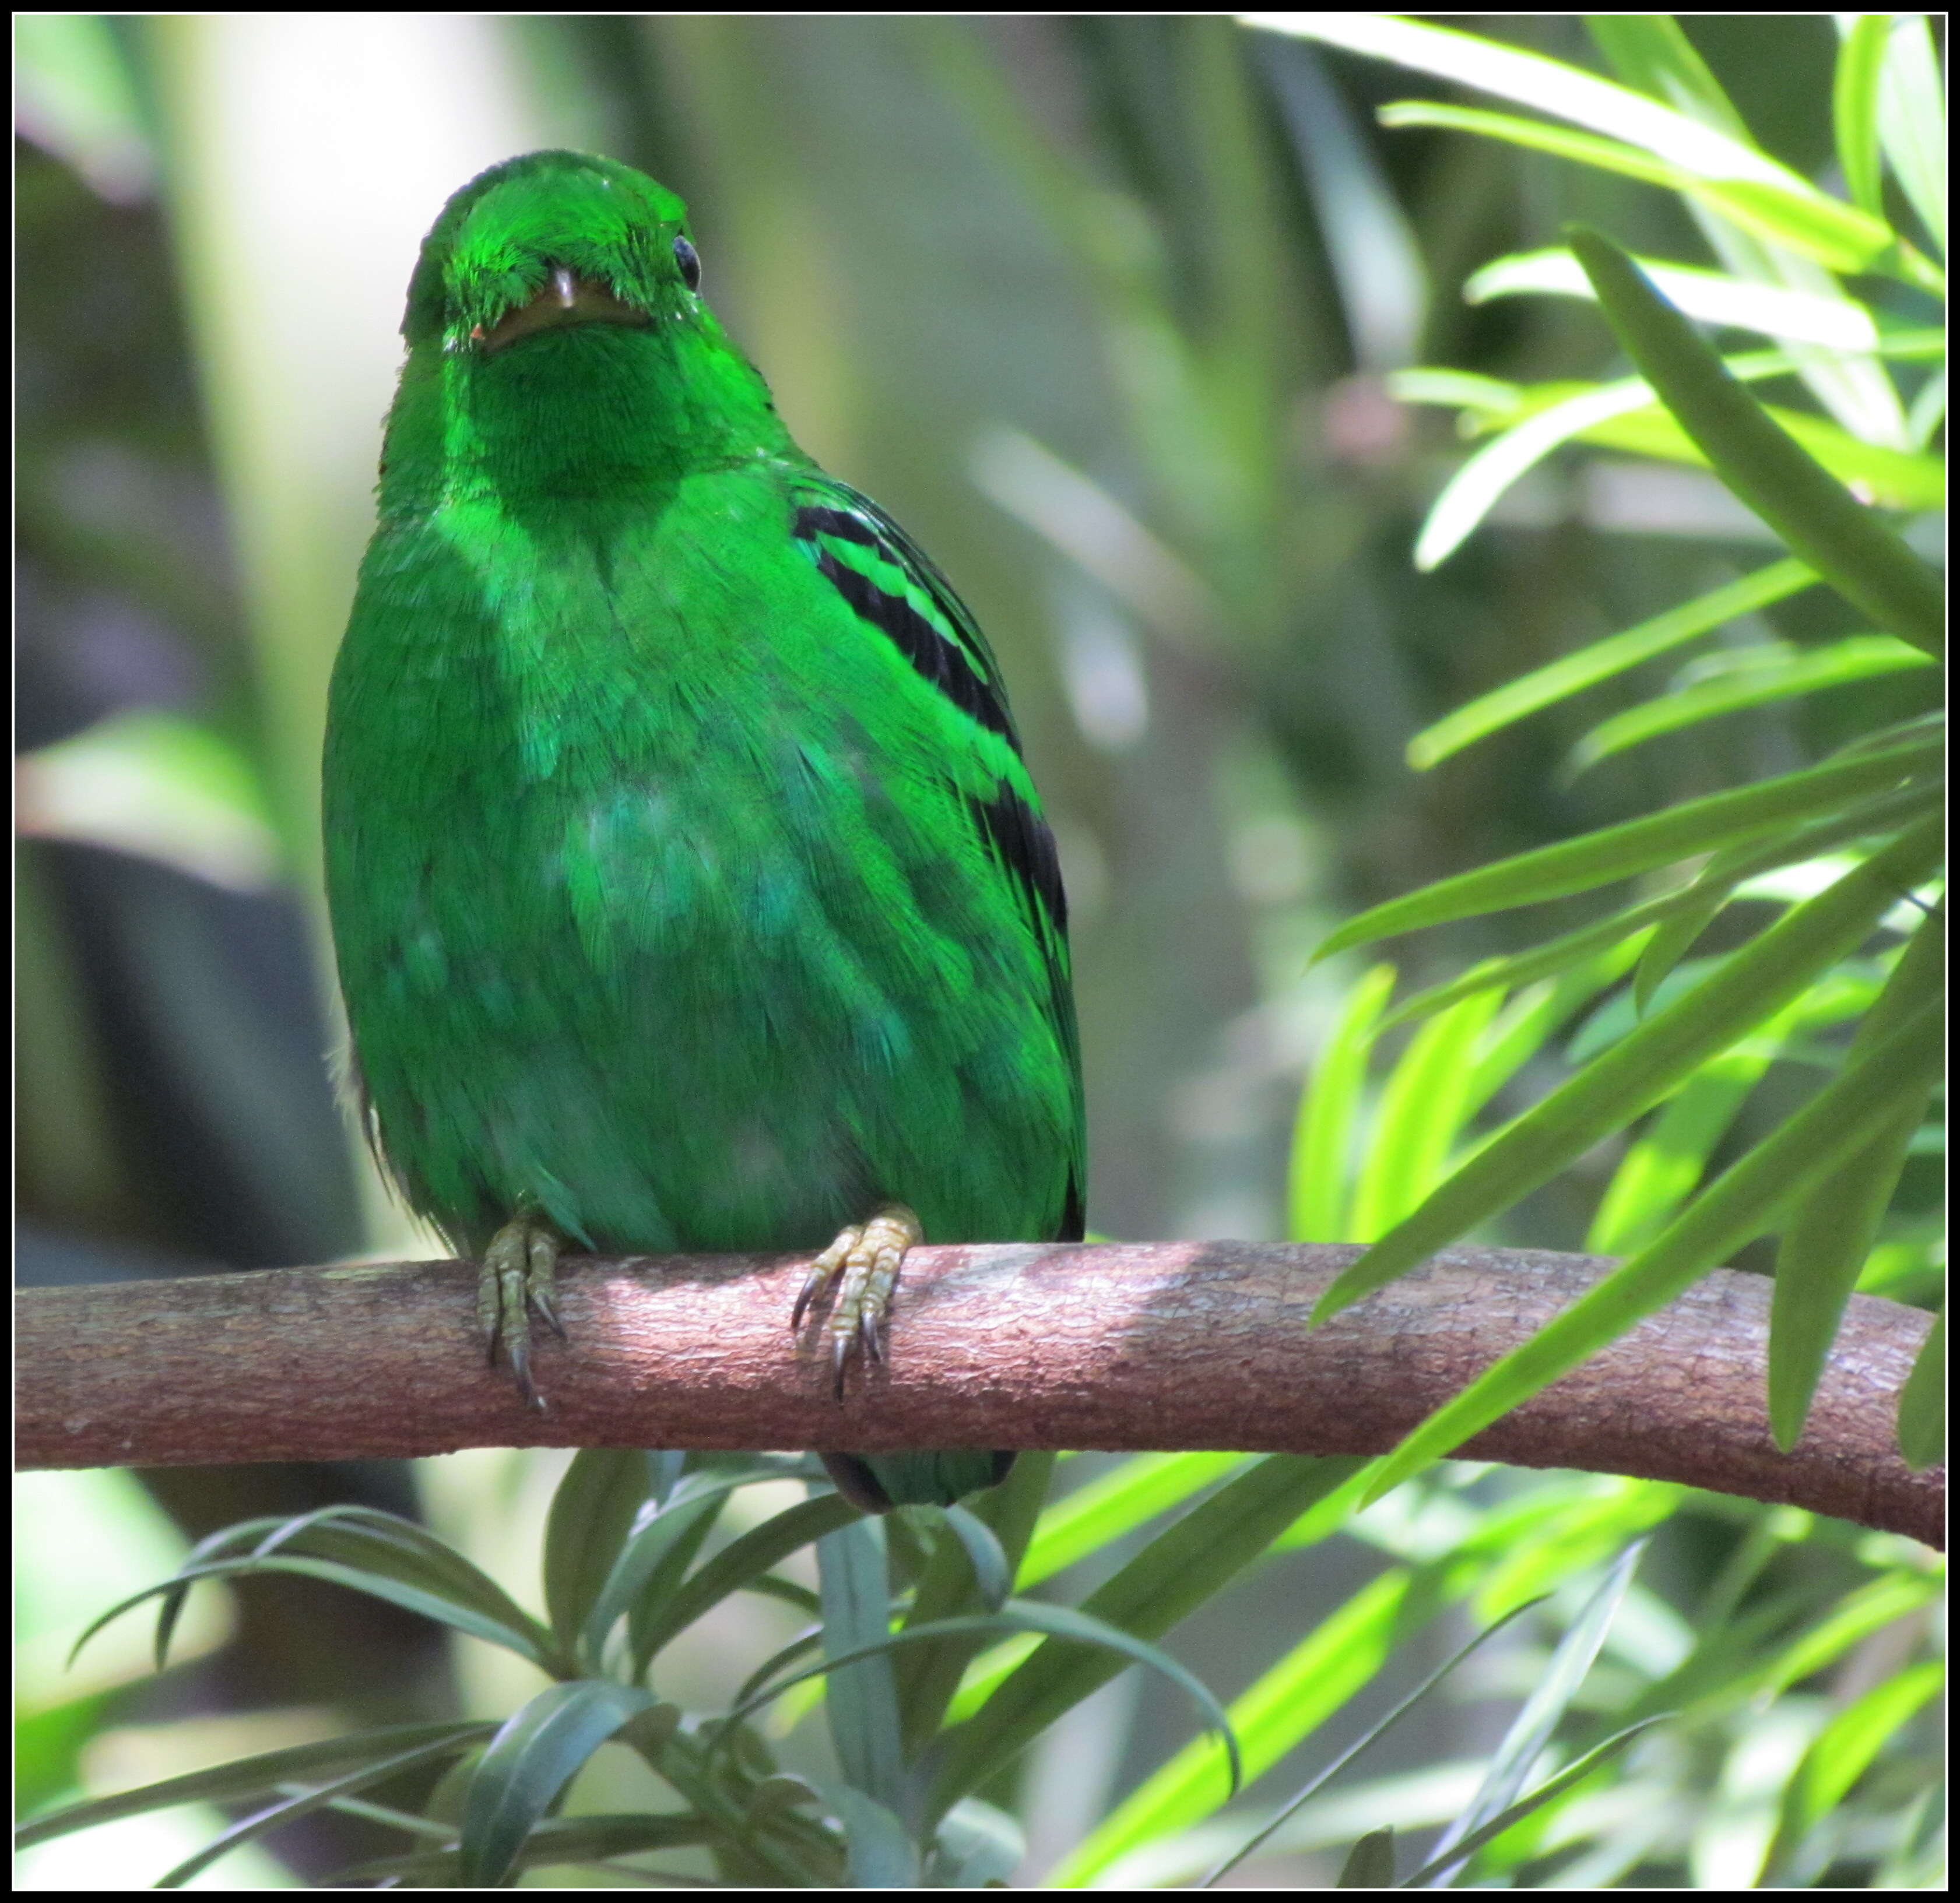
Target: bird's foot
[518,1279]
[864,1263]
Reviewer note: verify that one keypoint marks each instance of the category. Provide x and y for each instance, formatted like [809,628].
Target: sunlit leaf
[1854,108]
[156,785]
[1556,958]
[1845,543]
[1520,1031]
[1375,1733]
[1100,1512]
[1840,1755]
[1651,52]
[1659,1171]
[1640,845]
[1423,1107]
[1342,1654]
[1912,119]
[1712,297]
[1574,1773]
[1728,874]
[1625,415]
[1838,235]
[1532,1729]
[1565,91]
[1831,1231]
[1328,1120]
[1843,1624]
[1184,1566]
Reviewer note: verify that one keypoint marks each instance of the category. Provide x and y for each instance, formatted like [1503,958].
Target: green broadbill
[688,889]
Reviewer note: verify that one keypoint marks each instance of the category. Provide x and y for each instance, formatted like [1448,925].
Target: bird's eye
[689,260]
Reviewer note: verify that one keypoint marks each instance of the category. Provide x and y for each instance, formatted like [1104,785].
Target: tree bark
[1186,1344]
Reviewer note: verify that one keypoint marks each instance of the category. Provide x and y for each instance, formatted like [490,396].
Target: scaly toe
[518,1277]
[824,1270]
[864,1263]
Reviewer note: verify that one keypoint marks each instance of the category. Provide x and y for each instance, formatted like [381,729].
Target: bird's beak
[564,299]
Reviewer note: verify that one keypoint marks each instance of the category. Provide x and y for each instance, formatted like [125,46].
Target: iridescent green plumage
[688,889]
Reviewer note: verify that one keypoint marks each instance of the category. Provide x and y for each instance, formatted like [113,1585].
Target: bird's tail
[935,1477]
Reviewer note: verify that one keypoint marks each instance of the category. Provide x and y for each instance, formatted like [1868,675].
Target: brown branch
[1160,1345]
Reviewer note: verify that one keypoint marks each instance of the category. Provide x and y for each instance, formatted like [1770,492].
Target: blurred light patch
[1085,869]
[1357,422]
[114,1540]
[1272,860]
[158,786]
[1371,248]
[1102,669]
[338,137]
[73,97]
[1073,513]
[133,1852]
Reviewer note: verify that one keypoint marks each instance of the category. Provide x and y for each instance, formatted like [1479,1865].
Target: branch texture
[1164,1345]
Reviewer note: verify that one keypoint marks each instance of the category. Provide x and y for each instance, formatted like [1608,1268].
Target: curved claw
[864,1263]
[517,1281]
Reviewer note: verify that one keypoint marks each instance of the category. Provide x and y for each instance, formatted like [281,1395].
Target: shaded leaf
[1922,1411]
[861,1701]
[738,1565]
[536,1753]
[1601,660]
[246,1779]
[1370,1864]
[592,1510]
[1748,677]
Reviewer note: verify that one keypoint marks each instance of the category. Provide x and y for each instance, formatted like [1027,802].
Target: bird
[690,892]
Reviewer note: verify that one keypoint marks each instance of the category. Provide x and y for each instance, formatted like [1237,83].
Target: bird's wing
[891,584]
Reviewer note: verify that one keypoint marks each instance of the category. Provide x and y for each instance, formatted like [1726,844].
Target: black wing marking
[940,640]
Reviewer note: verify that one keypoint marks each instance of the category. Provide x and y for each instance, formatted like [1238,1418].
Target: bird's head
[556,331]
[551,241]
